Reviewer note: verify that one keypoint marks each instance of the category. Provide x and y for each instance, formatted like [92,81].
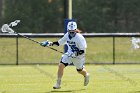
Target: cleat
[57,85]
[86,80]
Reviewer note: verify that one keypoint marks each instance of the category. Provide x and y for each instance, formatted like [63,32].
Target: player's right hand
[46,43]
[73,54]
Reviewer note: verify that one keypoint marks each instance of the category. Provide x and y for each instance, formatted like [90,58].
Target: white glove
[73,54]
[46,43]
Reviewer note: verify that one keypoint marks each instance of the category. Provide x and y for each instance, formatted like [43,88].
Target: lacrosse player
[76,52]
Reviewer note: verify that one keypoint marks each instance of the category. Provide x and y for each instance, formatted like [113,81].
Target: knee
[79,70]
[61,66]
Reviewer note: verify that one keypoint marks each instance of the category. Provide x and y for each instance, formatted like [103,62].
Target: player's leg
[79,63]
[61,66]
[85,74]
[82,71]
[60,71]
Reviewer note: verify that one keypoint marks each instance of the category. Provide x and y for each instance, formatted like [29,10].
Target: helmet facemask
[72,33]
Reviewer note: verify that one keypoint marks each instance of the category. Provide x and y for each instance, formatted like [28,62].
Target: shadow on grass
[57,91]
[134,92]
[137,91]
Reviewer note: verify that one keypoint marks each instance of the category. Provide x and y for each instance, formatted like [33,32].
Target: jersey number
[74,48]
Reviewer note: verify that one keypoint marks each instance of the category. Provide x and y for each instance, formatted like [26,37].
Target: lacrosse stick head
[15,23]
[6,29]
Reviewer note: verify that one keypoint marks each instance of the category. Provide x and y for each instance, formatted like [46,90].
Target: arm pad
[55,43]
[80,52]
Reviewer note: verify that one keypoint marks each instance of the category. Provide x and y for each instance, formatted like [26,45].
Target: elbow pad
[55,43]
[80,52]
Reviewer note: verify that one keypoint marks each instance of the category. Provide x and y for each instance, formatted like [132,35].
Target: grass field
[99,50]
[41,78]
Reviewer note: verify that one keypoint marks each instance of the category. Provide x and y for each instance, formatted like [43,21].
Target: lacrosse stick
[6,29]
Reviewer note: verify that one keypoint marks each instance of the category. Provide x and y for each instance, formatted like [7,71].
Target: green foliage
[108,15]
[39,16]
[36,15]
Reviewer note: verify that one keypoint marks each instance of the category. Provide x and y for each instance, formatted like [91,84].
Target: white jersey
[76,43]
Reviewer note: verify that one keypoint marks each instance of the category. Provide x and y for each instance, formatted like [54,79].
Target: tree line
[47,16]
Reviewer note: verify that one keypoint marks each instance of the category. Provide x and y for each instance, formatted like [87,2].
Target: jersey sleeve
[63,40]
[82,43]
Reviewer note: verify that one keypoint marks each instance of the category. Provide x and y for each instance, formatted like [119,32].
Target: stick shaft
[6,28]
[28,38]
[38,42]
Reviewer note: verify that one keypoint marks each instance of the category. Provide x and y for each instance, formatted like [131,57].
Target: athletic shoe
[57,85]
[86,79]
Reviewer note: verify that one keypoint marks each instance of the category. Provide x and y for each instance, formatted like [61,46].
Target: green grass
[41,78]
[99,50]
